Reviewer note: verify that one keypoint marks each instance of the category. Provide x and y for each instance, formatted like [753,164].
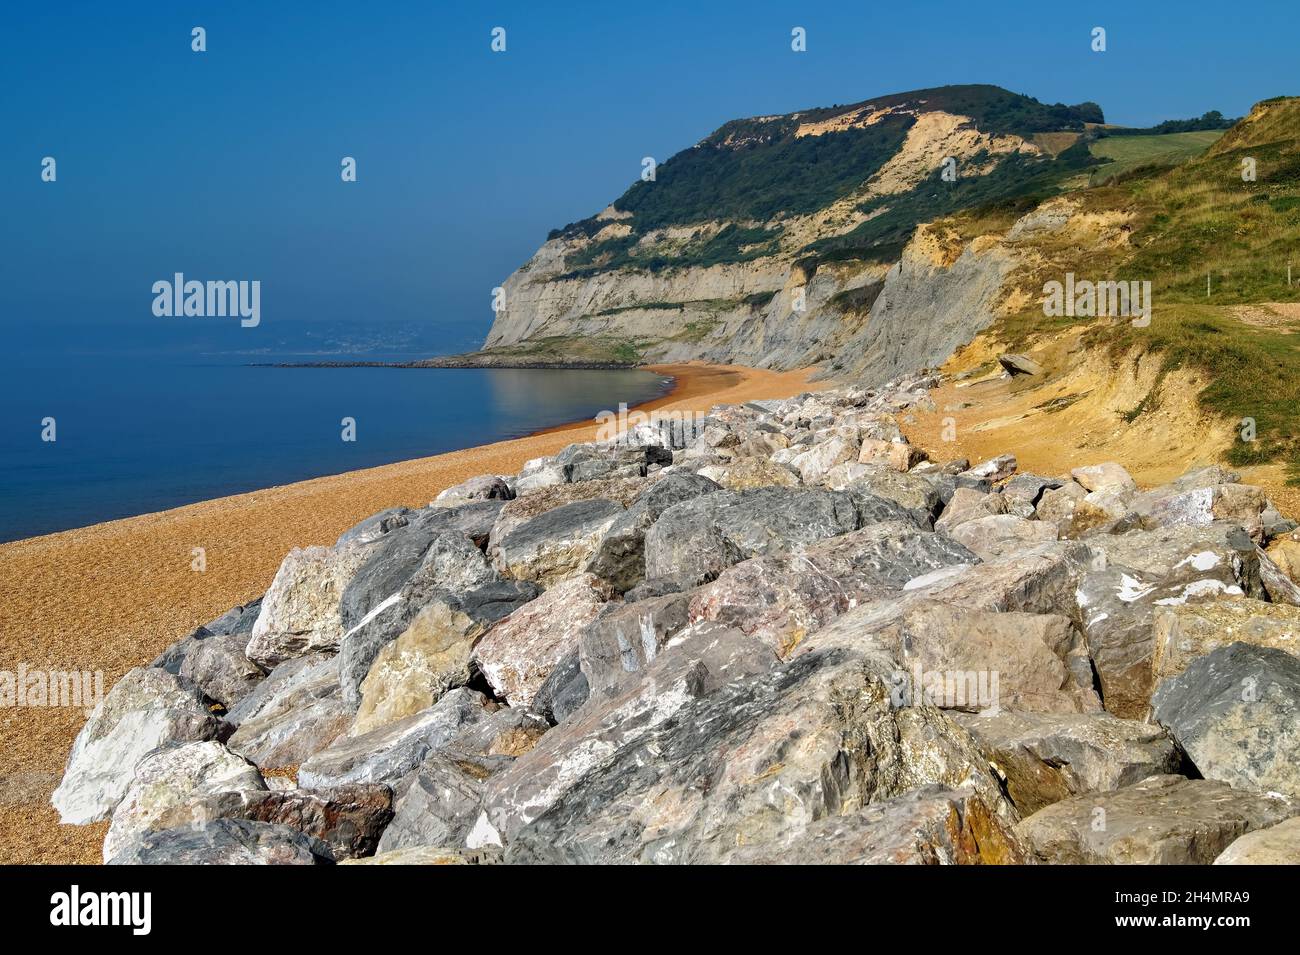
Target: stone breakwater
[797,638]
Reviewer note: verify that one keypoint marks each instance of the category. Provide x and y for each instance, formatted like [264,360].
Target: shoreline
[111,596]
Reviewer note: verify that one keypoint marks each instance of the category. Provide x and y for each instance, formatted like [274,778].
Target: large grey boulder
[702,537]
[556,543]
[624,638]
[1147,571]
[1236,713]
[519,653]
[442,801]
[931,825]
[1039,579]
[293,714]
[564,690]
[218,667]
[921,498]
[175,777]
[386,754]
[1239,504]
[147,709]
[347,819]
[301,612]
[232,624]
[1163,820]
[590,462]
[485,487]
[783,597]
[980,661]
[1043,758]
[223,842]
[619,554]
[781,747]
[1002,535]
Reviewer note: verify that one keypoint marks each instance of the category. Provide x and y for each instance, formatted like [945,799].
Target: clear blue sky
[225,164]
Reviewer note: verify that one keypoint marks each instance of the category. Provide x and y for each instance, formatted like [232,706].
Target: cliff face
[793,240]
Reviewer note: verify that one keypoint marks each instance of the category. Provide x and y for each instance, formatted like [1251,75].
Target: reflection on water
[570,395]
[157,432]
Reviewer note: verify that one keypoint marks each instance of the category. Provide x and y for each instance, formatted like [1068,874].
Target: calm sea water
[146,423]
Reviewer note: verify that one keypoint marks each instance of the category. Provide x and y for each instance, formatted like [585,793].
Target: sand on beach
[112,596]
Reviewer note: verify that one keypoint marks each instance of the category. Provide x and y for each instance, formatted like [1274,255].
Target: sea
[102,422]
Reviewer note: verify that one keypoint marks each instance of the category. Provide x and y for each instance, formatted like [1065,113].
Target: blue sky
[225,164]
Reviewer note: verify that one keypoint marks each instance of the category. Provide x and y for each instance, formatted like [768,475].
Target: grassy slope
[1127,153]
[1203,217]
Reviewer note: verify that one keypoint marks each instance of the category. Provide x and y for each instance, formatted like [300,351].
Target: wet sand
[112,596]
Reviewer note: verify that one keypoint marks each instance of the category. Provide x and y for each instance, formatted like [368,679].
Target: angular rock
[148,708]
[1183,633]
[782,598]
[376,526]
[701,537]
[386,754]
[1108,476]
[301,612]
[410,674]
[223,842]
[921,498]
[510,731]
[1043,758]
[1236,713]
[519,653]
[624,638]
[928,826]
[218,667]
[968,504]
[554,544]
[1236,503]
[694,762]
[747,473]
[347,819]
[619,555]
[995,469]
[362,644]
[1276,845]
[1002,535]
[485,487]
[564,690]
[814,463]
[175,777]
[1163,820]
[978,661]
[1020,365]
[442,802]
[1041,579]
[296,712]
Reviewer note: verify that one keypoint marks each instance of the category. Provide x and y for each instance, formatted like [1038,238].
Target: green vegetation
[1203,217]
[1127,154]
[1211,120]
[732,243]
[1022,181]
[751,170]
[754,182]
